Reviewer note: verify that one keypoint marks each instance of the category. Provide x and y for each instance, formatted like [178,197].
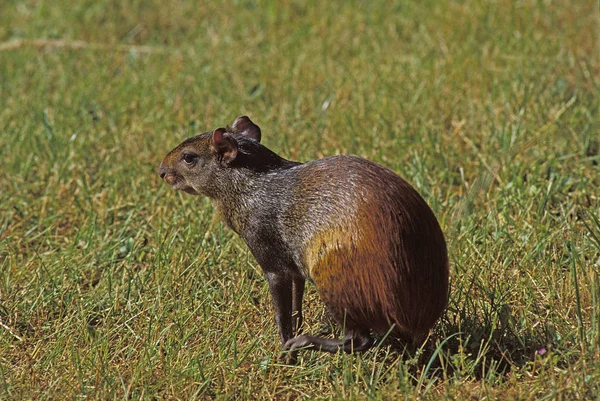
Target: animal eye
[189,158]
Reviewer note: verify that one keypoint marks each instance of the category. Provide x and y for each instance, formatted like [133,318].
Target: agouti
[366,239]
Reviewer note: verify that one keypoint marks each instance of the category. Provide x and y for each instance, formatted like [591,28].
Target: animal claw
[297,342]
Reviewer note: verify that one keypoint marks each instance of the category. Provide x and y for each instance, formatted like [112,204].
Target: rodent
[364,236]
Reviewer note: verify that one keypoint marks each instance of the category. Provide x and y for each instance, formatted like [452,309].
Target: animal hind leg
[354,341]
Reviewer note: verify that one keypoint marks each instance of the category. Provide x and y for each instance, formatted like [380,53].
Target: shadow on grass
[462,346]
[466,347]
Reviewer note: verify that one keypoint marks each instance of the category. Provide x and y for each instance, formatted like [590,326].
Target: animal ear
[243,125]
[224,145]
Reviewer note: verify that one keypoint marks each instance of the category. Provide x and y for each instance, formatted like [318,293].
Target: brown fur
[362,234]
[374,263]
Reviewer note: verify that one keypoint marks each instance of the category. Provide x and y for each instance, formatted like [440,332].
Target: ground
[114,286]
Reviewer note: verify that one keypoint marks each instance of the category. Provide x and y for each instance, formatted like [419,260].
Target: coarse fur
[365,238]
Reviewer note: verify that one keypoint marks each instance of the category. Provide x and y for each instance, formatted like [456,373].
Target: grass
[114,286]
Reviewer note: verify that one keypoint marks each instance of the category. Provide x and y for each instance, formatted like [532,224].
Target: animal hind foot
[352,342]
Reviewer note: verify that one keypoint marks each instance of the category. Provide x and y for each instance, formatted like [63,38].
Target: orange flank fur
[365,270]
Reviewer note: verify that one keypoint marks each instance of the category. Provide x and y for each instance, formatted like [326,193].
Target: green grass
[114,286]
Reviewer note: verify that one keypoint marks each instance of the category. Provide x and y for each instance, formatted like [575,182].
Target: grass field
[114,286]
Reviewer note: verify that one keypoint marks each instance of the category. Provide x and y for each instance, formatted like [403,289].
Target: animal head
[198,164]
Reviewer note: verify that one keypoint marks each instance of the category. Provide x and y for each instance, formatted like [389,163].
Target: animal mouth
[189,190]
[178,185]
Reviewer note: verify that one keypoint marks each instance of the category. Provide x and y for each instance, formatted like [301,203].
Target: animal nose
[162,170]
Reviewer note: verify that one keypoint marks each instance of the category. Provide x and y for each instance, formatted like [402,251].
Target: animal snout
[162,170]
[166,175]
